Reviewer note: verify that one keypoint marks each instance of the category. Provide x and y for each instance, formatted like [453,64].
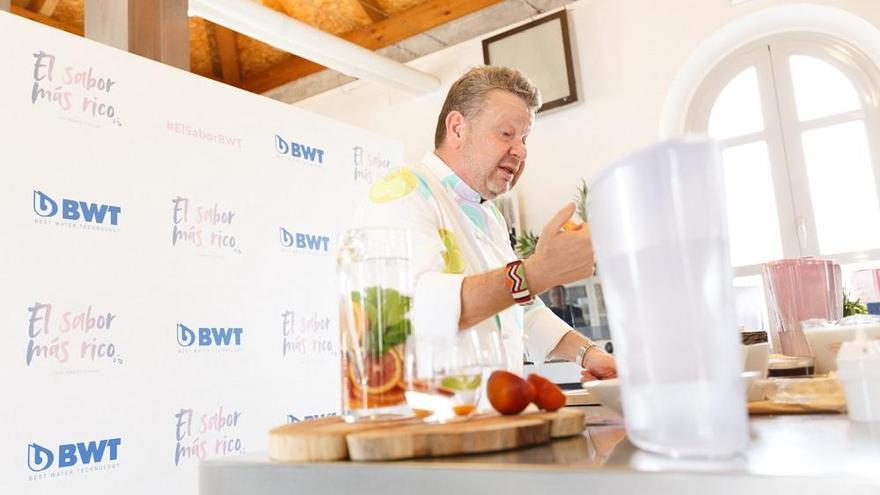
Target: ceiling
[238,60]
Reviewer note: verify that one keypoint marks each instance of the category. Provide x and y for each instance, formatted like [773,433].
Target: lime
[461,382]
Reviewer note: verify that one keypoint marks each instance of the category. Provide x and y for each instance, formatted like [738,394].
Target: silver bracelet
[583,350]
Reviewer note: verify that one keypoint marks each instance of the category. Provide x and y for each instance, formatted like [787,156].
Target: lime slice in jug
[461,382]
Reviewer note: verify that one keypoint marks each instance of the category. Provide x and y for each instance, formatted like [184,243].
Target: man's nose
[518,150]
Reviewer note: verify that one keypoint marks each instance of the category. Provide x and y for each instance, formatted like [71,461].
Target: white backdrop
[167,287]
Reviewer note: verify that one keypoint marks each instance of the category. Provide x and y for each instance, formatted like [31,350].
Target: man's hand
[602,366]
[561,256]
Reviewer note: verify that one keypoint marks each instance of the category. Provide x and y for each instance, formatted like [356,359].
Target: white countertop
[800,455]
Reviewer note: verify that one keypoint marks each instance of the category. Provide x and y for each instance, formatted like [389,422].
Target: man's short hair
[468,93]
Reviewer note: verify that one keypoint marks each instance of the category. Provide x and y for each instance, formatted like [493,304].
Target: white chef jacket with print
[454,234]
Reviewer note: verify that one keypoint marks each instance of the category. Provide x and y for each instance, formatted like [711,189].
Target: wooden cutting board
[332,439]
[825,406]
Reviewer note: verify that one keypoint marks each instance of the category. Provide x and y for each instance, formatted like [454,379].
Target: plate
[607,392]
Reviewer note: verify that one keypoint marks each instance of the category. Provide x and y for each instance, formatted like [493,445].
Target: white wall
[628,52]
[167,265]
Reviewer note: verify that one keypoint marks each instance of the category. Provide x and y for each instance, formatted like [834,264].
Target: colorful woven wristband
[516,282]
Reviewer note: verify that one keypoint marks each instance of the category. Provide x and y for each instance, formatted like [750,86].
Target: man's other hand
[602,366]
[561,256]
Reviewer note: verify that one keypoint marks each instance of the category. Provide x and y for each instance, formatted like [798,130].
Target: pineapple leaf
[525,244]
[581,198]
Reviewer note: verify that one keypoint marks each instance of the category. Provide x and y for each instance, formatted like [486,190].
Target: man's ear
[456,127]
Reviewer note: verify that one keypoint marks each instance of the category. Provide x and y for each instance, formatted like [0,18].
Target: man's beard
[504,189]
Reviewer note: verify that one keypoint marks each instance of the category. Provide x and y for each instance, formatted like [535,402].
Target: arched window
[798,116]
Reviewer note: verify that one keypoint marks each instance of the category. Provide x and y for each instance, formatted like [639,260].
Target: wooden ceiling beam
[420,18]
[373,10]
[227,48]
[45,7]
[155,29]
[46,20]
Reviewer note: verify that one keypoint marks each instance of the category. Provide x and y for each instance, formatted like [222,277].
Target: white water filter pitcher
[660,232]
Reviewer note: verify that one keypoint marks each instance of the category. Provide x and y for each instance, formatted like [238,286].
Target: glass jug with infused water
[375,321]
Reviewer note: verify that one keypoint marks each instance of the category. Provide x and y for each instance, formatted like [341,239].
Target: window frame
[783,131]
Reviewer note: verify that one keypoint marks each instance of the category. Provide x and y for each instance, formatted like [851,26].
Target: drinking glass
[443,377]
[489,345]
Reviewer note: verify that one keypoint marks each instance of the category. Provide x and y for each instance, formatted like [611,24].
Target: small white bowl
[861,384]
[607,392]
[826,341]
[755,357]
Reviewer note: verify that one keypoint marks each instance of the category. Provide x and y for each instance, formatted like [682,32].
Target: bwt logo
[71,209]
[70,454]
[209,336]
[300,240]
[297,150]
[296,419]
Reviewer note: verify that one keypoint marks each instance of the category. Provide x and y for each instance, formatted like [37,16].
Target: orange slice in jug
[382,373]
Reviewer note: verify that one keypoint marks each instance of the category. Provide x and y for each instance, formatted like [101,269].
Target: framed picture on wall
[541,50]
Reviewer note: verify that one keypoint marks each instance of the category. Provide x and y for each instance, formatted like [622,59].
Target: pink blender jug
[798,290]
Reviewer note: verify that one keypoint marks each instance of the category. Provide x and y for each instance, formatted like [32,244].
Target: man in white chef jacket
[466,275]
